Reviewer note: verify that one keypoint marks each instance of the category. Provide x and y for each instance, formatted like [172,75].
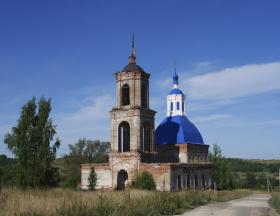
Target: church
[174,153]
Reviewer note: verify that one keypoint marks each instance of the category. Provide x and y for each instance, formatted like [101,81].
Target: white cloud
[212,117]
[90,121]
[233,82]
[202,64]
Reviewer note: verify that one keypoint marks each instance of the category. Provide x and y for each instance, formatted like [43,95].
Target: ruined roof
[132,67]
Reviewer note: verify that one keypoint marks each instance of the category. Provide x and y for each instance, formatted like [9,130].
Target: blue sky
[227,55]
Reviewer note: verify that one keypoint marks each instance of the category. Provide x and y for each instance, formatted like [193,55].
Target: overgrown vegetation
[222,176]
[144,181]
[92,179]
[83,151]
[31,143]
[132,202]
[275,201]
[232,173]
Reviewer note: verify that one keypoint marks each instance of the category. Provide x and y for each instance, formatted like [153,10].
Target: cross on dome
[132,56]
[175,78]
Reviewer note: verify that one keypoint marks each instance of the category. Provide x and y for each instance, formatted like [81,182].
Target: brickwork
[103,172]
[126,161]
[133,150]
[160,172]
[135,114]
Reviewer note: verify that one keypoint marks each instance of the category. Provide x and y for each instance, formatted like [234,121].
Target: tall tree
[31,143]
[83,151]
[221,173]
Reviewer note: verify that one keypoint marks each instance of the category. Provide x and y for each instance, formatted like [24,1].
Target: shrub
[92,179]
[144,181]
[275,201]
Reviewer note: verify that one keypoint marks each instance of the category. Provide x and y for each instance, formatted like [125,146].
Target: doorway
[122,179]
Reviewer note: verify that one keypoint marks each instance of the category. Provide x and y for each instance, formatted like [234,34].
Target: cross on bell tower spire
[132,56]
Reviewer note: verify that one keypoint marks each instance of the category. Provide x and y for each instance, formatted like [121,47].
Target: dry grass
[61,201]
[14,201]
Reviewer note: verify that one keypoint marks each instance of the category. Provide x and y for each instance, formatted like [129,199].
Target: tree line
[34,144]
[231,173]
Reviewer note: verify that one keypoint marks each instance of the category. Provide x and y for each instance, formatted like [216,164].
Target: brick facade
[133,147]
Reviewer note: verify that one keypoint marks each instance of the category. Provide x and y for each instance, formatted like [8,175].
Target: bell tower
[132,121]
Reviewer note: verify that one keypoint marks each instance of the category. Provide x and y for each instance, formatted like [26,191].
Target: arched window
[179,186]
[203,180]
[171,106]
[144,95]
[183,106]
[188,181]
[125,95]
[196,180]
[178,105]
[124,137]
[146,137]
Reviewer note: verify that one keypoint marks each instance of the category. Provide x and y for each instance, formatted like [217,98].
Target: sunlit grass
[61,201]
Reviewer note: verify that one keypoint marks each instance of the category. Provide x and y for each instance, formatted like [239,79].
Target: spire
[132,56]
[175,78]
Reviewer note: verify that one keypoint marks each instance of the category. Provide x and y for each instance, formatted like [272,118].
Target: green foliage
[92,179]
[251,180]
[7,171]
[275,201]
[5,161]
[83,151]
[245,165]
[253,173]
[90,151]
[221,172]
[30,142]
[144,181]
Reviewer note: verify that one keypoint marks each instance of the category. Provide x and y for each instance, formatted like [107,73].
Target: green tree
[261,181]
[92,179]
[83,151]
[90,151]
[221,173]
[144,181]
[31,143]
[251,181]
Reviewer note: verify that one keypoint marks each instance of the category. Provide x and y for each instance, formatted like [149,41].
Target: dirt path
[254,205]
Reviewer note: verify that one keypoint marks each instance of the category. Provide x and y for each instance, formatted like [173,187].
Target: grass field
[131,202]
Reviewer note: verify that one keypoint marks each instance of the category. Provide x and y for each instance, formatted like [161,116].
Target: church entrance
[122,179]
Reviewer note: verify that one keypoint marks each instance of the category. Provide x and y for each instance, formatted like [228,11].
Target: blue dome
[175,91]
[177,130]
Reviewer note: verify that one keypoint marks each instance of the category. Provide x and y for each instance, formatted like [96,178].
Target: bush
[275,201]
[92,179]
[251,180]
[144,181]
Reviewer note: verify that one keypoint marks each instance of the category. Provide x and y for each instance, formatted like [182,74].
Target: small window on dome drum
[125,95]
[178,106]
[171,106]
